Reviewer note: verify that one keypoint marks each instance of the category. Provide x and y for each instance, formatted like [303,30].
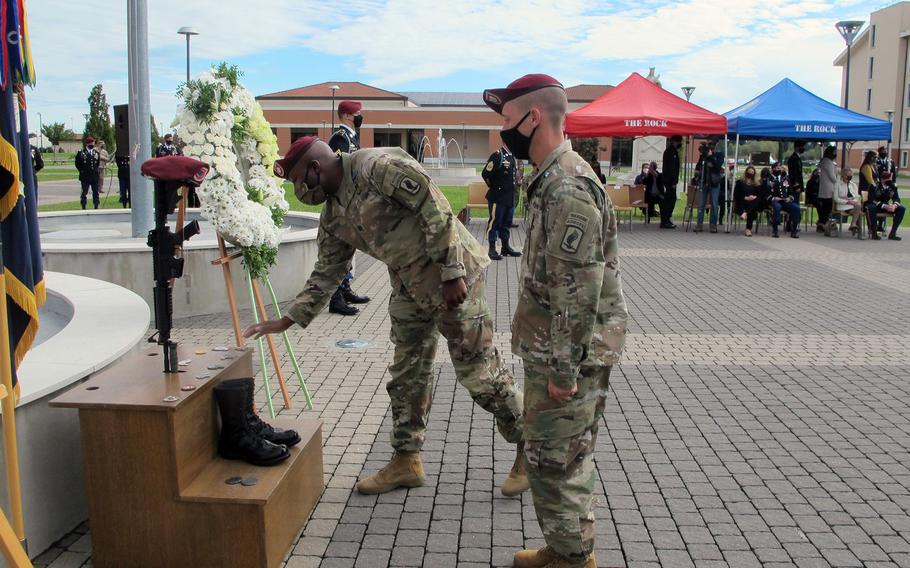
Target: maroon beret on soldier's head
[497,98]
[175,168]
[89,140]
[284,166]
[349,107]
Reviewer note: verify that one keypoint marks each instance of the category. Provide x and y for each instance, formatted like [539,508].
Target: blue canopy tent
[787,111]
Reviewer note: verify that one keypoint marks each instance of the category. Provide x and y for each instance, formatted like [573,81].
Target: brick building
[410,120]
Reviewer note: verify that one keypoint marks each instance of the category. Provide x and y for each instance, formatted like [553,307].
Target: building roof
[346,90]
[586,93]
[442,98]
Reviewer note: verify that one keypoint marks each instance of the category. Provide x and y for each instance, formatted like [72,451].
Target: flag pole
[8,404]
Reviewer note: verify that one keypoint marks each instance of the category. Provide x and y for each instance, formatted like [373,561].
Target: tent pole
[726,186]
[735,172]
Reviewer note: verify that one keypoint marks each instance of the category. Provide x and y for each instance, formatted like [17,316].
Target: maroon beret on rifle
[176,168]
[284,166]
[497,98]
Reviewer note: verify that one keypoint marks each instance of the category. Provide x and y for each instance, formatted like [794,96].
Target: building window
[907,131]
[871,66]
[873,35]
[868,99]
[301,132]
[903,159]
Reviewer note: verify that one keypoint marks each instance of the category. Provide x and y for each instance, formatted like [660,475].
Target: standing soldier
[499,175]
[88,162]
[670,180]
[570,323]
[168,148]
[381,201]
[346,139]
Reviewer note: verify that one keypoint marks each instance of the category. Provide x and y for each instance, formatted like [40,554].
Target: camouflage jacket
[571,311]
[388,207]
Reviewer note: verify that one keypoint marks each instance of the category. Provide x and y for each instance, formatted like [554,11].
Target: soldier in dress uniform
[168,148]
[499,175]
[381,201]
[88,163]
[347,139]
[570,324]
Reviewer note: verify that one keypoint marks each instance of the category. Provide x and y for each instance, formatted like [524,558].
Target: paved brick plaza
[761,416]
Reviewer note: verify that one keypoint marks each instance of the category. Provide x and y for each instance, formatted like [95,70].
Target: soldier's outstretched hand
[267,327]
[561,394]
[454,292]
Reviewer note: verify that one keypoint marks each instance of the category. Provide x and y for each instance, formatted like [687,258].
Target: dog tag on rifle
[188,387]
[215,367]
[170,398]
[249,481]
[233,480]
[219,348]
[184,362]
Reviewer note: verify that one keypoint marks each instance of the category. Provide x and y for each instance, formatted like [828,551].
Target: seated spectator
[783,200]
[652,180]
[741,189]
[756,198]
[846,201]
[812,189]
[884,199]
[827,169]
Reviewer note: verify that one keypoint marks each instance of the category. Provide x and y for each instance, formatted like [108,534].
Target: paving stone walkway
[760,417]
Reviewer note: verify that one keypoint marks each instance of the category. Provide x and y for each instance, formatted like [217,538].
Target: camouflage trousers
[559,446]
[468,330]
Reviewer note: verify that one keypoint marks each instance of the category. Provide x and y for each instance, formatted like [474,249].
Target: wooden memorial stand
[156,487]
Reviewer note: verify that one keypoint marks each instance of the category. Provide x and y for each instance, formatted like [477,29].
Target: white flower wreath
[223,126]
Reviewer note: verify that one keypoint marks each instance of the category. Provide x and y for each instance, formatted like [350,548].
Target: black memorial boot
[261,428]
[507,250]
[338,306]
[774,232]
[350,296]
[493,254]
[238,440]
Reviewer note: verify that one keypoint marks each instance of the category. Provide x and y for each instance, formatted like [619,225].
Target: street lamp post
[334,88]
[890,114]
[848,30]
[187,31]
[688,92]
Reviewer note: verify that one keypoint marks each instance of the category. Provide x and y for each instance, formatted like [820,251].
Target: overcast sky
[730,50]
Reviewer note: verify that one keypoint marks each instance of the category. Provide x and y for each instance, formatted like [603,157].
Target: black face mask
[358,120]
[518,143]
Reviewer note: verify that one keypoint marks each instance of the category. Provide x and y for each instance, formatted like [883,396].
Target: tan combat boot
[517,482]
[405,470]
[546,558]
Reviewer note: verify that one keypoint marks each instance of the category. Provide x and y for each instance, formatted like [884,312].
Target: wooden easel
[259,313]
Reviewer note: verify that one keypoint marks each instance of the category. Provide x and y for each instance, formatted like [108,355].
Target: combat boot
[493,254]
[507,250]
[350,296]
[405,470]
[338,306]
[261,428]
[517,482]
[237,440]
[546,558]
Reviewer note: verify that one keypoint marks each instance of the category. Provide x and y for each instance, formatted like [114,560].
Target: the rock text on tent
[646,122]
[823,128]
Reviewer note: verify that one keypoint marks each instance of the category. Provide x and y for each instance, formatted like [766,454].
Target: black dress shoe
[667,226]
[893,238]
[350,296]
[338,306]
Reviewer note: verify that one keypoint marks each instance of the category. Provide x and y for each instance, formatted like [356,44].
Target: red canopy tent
[638,107]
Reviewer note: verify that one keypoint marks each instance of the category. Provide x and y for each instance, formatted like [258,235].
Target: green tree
[156,136]
[56,132]
[585,147]
[98,124]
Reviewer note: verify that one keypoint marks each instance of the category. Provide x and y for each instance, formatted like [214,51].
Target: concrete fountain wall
[84,326]
[98,244]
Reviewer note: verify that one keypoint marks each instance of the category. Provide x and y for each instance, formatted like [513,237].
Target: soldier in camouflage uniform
[381,201]
[570,323]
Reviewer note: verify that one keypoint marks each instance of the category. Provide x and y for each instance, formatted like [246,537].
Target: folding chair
[693,195]
[621,202]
